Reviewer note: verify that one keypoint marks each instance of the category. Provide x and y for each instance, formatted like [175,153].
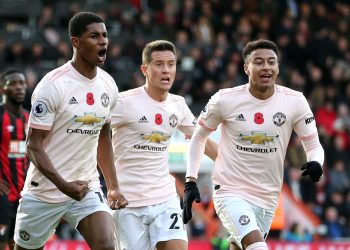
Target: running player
[69,133]
[142,126]
[257,122]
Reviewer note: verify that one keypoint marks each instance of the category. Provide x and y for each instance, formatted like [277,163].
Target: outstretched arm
[211,149]
[35,151]
[306,129]
[315,157]
[197,147]
[106,163]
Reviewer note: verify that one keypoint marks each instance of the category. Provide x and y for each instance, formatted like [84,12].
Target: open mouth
[165,79]
[266,77]
[102,54]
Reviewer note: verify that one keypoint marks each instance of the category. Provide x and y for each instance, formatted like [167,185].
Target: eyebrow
[94,32]
[261,58]
[161,60]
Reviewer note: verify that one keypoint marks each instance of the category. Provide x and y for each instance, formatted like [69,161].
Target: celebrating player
[257,122]
[142,126]
[69,133]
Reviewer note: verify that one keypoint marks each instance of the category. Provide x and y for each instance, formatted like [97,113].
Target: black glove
[314,169]
[191,194]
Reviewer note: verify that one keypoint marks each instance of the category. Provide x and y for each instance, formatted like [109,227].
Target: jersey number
[175,218]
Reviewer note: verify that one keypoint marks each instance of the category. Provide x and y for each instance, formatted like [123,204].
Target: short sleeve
[188,123]
[211,115]
[45,103]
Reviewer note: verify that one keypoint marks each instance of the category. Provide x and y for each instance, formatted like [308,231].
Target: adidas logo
[143,119]
[240,118]
[73,101]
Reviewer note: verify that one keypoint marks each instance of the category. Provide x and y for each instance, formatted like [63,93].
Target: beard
[14,101]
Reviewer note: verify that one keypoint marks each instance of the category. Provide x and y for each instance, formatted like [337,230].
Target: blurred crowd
[314,41]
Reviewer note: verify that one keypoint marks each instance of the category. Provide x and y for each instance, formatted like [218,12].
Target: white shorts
[143,227]
[241,217]
[37,220]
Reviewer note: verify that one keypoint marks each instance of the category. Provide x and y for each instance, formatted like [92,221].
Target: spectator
[338,177]
[294,233]
[335,229]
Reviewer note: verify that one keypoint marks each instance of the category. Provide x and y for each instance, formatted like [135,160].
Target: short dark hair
[258,44]
[158,45]
[7,72]
[78,23]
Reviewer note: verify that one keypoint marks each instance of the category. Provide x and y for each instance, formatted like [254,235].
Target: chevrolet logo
[257,138]
[156,137]
[88,119]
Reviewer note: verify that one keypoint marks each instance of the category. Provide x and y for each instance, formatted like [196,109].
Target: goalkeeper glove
[313,169]
[191,194]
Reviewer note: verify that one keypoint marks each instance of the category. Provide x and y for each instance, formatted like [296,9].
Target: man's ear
[75,41]
[144,68]
[245,67]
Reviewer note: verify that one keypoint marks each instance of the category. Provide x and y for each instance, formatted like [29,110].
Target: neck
[84,68]
[13,109]
[156,94]
[261,93]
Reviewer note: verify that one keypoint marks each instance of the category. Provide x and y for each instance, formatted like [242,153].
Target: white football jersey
[74,109]
[254,139]
[141,133]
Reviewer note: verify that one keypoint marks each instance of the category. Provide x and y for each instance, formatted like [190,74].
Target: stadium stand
[313,37]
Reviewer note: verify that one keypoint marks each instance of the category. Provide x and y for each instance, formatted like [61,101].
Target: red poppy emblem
[90,99]
[259,118]
[158,119]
